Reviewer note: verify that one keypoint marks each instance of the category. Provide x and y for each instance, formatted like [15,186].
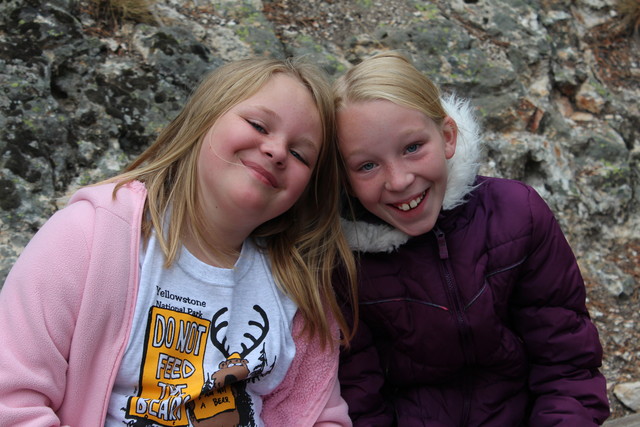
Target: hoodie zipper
[458,311]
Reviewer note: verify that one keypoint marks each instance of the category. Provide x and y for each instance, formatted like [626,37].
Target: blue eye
[412,148]
[367,166]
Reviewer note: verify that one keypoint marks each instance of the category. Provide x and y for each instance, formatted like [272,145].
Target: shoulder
[92,218]
[508,195]
[90,210]
[509,209]
[124,203]
[502,186]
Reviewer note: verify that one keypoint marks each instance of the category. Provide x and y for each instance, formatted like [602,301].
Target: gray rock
[629,394]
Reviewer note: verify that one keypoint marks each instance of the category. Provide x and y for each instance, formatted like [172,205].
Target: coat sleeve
[562,343]
[361,375]
[38,309]
[362,380]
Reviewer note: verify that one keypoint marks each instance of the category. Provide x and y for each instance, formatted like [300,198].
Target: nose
[276,150]
[398,179]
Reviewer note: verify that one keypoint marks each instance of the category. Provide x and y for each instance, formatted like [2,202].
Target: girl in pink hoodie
[194,288]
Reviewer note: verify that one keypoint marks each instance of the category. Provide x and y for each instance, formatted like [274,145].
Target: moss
[55,34]
[242,32]
[428,10]
[599,88]
[337,65]
[365,3]
[614,172]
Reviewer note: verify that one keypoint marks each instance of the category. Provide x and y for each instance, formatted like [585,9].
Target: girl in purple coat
[472,306]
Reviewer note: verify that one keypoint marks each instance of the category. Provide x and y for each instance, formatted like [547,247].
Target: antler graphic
[220,345]
[255,342]
[264,329]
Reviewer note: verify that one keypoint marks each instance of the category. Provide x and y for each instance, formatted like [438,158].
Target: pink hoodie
[65,314]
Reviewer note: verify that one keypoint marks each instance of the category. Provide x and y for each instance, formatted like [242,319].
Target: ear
[449,136]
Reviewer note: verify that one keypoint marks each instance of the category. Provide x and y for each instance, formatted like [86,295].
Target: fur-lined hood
[463,168]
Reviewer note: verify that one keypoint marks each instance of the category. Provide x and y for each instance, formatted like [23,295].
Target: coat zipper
[465,333]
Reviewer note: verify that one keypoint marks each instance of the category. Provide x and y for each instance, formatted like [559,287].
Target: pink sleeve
[335,412]
[38,310]
[310,393]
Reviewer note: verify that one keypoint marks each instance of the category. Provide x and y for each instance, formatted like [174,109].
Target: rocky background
[86,85]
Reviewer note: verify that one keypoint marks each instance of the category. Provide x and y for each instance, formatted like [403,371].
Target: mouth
[410,204]
[262,174]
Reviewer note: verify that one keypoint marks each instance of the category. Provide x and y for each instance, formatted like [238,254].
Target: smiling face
[396,160]
[258,157]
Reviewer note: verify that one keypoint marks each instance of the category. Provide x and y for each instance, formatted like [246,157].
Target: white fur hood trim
[463,168]
[365,237]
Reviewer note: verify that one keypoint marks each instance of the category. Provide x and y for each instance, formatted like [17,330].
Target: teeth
[411,205]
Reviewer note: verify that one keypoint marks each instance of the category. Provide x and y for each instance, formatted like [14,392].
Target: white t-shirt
[206,342]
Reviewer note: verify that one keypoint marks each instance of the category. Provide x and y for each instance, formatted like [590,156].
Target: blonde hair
[305,243]
[390,76]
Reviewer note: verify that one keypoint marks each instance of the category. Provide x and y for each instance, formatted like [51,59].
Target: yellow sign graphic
[217,401]
[171,371]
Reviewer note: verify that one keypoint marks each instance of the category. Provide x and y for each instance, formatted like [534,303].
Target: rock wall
[556,84]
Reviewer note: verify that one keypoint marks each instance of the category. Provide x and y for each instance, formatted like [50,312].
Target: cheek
[208,160]
[300,182]
[352,184]
[202,163]
[360,189]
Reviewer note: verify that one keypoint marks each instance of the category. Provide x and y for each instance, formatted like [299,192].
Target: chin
[414,230]
[414,233]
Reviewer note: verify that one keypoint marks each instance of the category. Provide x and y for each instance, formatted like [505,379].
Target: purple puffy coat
[480,322]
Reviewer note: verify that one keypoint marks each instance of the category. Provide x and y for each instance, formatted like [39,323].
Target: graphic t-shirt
[205,345]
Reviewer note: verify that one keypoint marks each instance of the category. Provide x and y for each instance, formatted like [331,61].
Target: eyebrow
[268,111]
[357,156]
[307,142]
[405,133]
[411,131]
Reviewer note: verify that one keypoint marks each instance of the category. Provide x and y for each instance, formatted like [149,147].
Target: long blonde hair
[305,244]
